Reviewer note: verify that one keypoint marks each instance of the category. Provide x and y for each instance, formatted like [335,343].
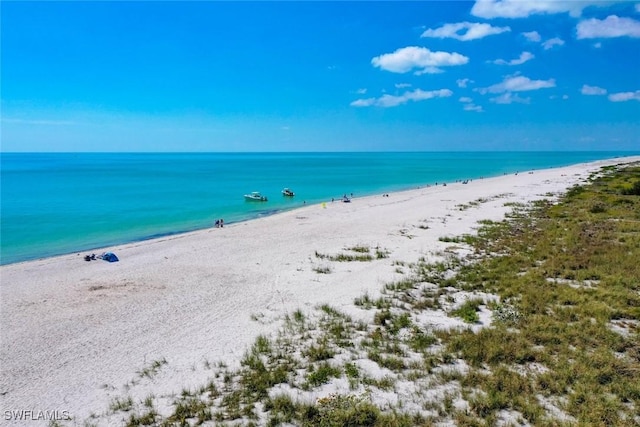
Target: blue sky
[320,76]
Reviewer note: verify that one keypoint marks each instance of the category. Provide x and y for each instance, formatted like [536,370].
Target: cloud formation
[625,96]
[473,107]
[549,44]
[469,105]
[524,57]
[518,84]
[509,98]
[522,9]
[387,100]
[592,90]
[532,36]
[408,58]
[463,82]
[612,26]
[470,31]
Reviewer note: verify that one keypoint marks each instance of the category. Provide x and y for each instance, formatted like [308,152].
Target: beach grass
[561,281]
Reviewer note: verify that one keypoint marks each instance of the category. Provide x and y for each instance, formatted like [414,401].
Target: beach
[77,334]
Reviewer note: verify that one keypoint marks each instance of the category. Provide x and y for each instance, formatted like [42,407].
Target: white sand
[74,333]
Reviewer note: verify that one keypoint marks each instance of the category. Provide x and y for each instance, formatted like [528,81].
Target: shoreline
[79,332]
[136,234]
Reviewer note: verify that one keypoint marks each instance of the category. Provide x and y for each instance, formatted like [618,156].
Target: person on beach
[217,223]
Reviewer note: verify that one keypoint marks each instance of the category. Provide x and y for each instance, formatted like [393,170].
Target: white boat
[255,197]
[288,193]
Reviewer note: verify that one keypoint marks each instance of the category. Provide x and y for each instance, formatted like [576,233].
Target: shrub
[322,375]
[598,207]
[468,311]
[633,191]
[339,410]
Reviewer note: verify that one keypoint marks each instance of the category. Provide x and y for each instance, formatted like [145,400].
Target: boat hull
[255,198]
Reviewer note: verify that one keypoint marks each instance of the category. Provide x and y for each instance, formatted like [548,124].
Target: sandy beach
[75,334]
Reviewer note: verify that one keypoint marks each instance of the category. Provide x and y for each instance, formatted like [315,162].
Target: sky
[320,76]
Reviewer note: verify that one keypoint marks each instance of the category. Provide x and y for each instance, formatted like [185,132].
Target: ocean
[57,203]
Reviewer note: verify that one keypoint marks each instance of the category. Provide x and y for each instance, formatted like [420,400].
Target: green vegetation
[562,347]
[469,310]
[359,253]
[153,369]
[121,404]
[634,190]
[322,269]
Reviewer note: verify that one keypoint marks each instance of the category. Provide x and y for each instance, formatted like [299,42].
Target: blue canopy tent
[110,256]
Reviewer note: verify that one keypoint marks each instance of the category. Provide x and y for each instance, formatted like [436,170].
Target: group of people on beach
[219,223]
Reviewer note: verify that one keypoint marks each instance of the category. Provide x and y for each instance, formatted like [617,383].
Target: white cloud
[625,96]
[521,9]
[509,98]
[408,58]
[552,42]
[395,100]
[612,26]
[532,36]
[518,84]
[473,107]
[471,31]
[524,57]
[361,91]
[469,105]
[592,90]
[363,102]
[402,85]
[638,7]
[463,82]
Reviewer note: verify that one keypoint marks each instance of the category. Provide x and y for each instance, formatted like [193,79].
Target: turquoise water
[55,203]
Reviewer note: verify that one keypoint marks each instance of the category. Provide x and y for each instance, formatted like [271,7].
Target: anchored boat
[288,193]
[255,196]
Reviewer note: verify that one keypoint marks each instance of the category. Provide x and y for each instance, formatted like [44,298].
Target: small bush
[598,207]
[420,341]
[119,404]
[339,410]
[322,374]
[507,314]
[633,191]
[469,311]
[324,269]
[283,406]
[319,352]
[381,317]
